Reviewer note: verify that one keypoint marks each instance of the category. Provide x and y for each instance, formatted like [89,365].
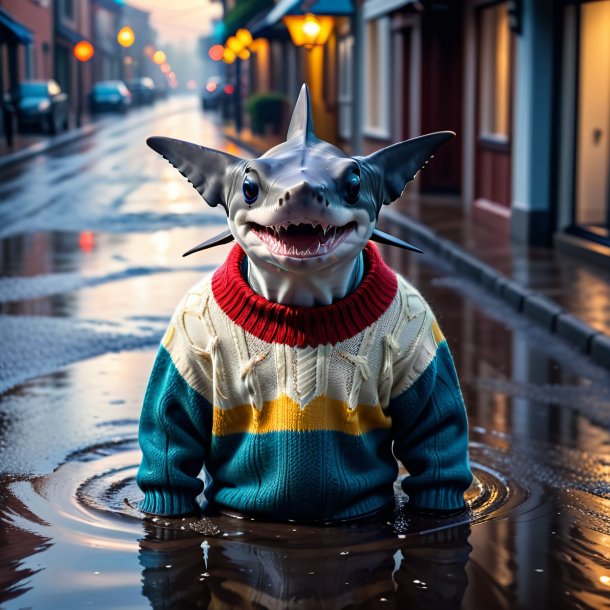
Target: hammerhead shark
[304,211]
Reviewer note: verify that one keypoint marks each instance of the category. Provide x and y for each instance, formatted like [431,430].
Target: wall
[39,19]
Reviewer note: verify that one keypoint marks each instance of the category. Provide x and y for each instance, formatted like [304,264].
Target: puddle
[85,296]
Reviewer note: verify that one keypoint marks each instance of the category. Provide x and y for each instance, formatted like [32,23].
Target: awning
[336,8]
[68,34]
[13,32]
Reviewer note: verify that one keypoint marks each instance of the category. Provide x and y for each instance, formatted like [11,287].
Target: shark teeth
[302,240]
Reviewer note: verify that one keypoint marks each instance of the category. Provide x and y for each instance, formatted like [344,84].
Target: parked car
[111,95]
[215,93]
[142,91]
[41,104]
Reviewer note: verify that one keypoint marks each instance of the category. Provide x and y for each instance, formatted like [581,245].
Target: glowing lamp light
[216,52]
[149,50]
[244,54]
[308,30]
[86,241]
[244,36]
[255,45]
[159,57]
[211,87]
[234,44]
[83,50]
[166,68]
[126,37]
[229,89]
[228,56]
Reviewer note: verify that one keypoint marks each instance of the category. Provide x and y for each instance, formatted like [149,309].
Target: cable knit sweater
[300,413]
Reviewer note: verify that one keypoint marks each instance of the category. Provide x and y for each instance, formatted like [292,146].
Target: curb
[70,136]
[238,142]
[49,143]
[534,306]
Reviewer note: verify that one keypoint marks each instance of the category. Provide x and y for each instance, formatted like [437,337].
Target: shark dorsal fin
[301,123]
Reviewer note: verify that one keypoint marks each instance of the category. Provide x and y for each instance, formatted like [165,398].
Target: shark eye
[250,190]
[352,188]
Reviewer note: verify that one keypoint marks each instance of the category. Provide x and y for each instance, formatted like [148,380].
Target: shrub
[267,110]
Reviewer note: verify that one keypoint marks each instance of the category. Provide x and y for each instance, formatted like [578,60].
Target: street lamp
[308,30]
[159,57]
[83,51]
[216,52]
[126,37]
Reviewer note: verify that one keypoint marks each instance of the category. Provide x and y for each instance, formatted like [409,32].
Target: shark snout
[302,194]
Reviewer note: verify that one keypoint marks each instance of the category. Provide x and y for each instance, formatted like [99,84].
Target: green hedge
[267,109]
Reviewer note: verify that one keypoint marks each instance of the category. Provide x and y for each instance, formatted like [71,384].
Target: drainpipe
[357,27]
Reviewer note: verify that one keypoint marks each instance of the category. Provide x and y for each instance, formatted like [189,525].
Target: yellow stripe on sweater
[284,414]
[437,332]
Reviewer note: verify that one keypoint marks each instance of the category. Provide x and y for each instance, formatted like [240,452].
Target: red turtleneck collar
[305,326]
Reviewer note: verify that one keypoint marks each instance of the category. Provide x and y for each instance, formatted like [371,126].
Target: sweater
[300,413]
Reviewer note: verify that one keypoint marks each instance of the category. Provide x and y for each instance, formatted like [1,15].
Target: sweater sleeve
[430,430]
[175,430]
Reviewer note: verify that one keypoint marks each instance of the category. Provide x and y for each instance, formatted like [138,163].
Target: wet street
[91,238]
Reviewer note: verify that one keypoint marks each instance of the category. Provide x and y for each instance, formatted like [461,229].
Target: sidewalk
[26,145]
[568,296]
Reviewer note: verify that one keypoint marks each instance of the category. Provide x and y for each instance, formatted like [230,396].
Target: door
[494,107]
[592,210]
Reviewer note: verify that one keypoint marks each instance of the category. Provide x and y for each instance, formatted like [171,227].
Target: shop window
[593,136]
[377,78]
[494,73]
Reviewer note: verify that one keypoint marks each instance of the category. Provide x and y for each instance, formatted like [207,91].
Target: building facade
[30,56]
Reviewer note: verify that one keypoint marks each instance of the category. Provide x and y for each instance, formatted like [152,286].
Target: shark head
[304,206]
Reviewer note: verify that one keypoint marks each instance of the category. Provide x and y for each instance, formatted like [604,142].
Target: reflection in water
[425,572]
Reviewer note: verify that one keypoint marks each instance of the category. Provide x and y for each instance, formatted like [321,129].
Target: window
[68,9]
[346,64]
[377,78]
[494,73]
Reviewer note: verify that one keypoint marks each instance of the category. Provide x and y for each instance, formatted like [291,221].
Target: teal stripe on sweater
[431,436]
[314,475]
[174,436]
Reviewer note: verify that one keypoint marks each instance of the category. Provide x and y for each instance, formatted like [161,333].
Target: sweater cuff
[168,504]
[447,498]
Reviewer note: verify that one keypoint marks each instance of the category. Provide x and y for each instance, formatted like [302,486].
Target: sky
[180,22]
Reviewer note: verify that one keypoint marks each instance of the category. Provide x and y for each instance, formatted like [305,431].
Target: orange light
[244,36]
[255,45]
[159,57]
[149,50]
[83,50]
[211,87]
[126,37]
[244,54]
[216,52]
[166,68]
[229,89]
[234,44]
[308,30]
[228,56]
